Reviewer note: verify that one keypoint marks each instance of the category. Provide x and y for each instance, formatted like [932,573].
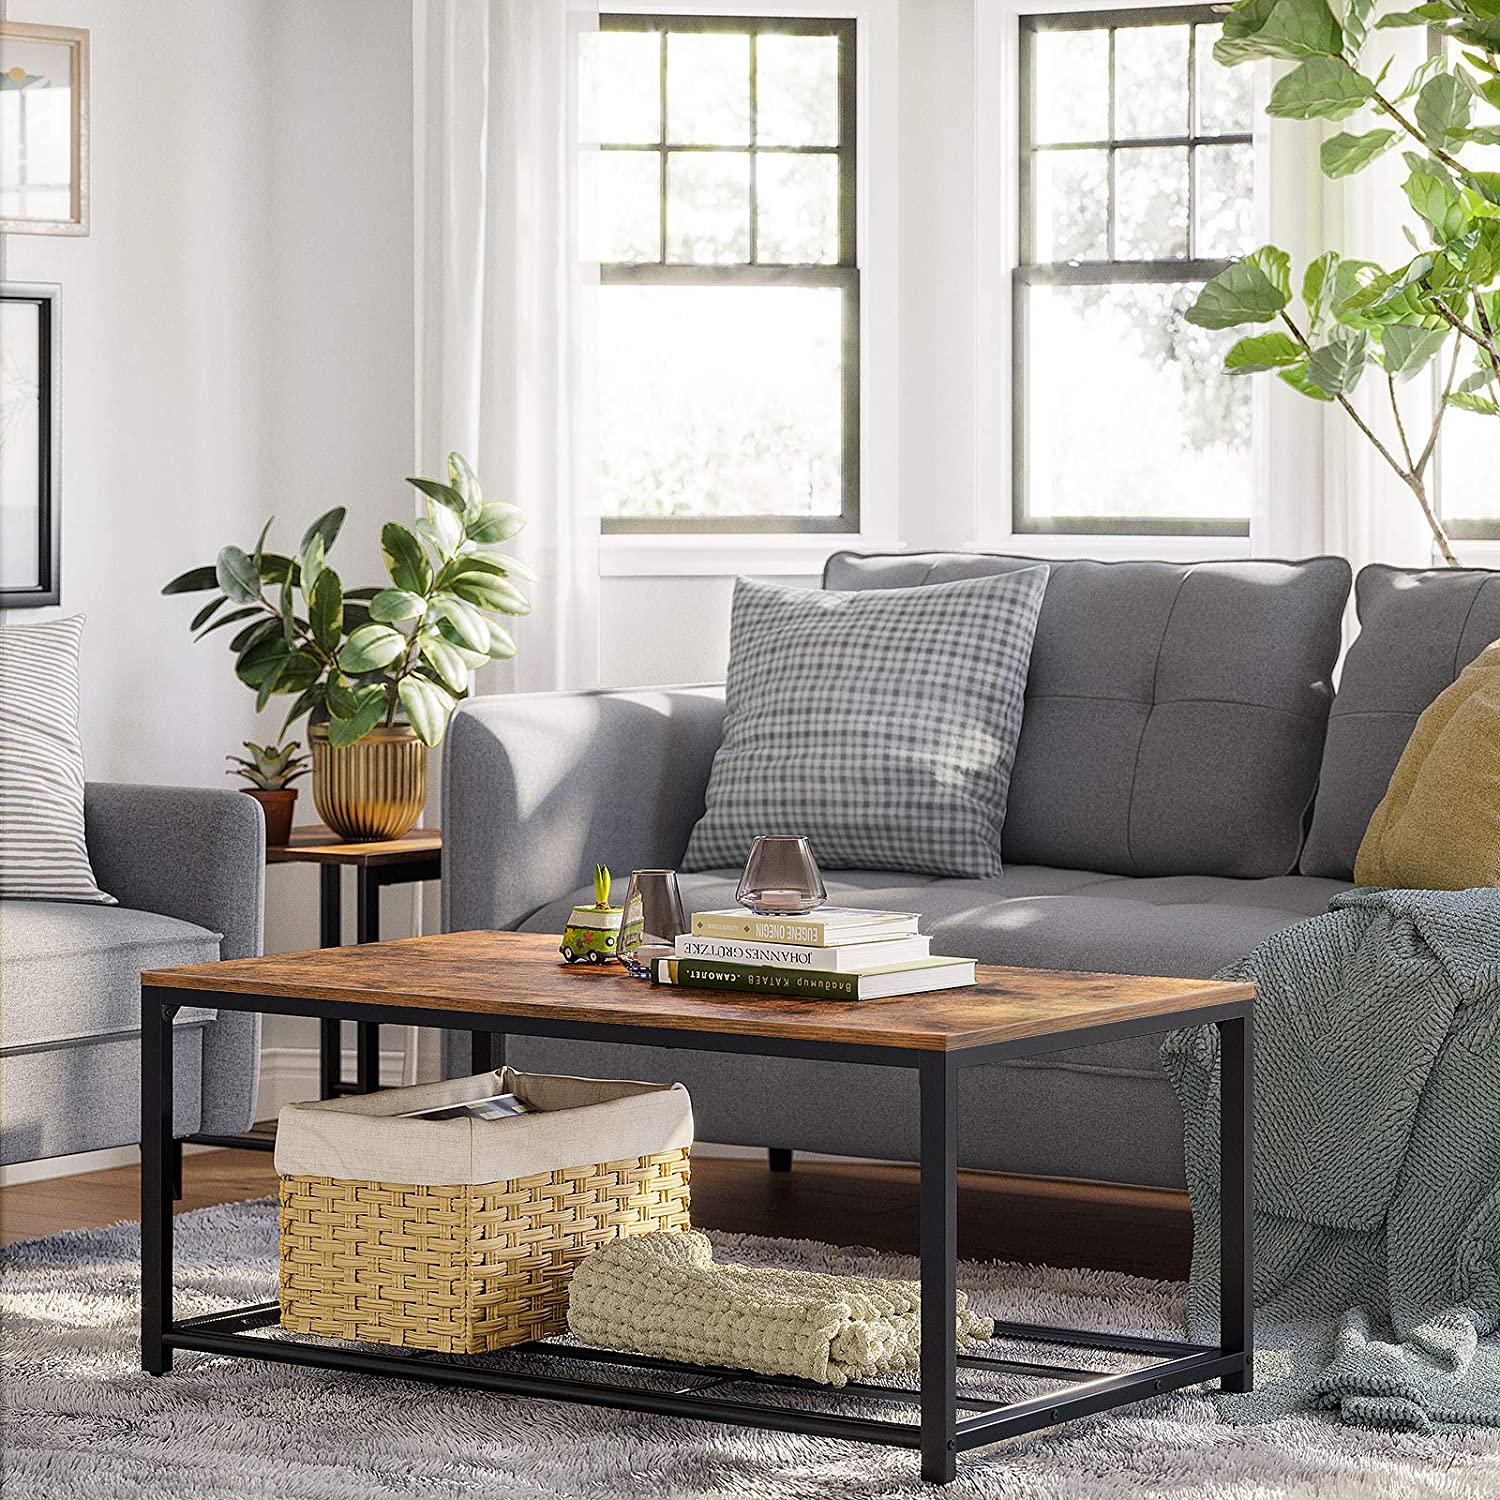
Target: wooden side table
[415,856]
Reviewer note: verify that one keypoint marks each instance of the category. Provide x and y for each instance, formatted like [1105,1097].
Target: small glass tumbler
[781,877]
[653,920]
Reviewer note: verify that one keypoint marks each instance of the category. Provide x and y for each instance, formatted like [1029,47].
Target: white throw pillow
[43,856]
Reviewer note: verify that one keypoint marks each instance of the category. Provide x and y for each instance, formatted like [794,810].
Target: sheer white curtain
[504,300]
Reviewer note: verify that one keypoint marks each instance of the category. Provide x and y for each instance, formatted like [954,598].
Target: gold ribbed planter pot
[373,789]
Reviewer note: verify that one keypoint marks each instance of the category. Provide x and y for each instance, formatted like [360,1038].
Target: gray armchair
[188,869]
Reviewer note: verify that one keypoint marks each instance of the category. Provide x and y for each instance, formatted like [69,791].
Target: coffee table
[490,983]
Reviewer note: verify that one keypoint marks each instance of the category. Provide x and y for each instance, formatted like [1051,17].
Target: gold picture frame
[38,64]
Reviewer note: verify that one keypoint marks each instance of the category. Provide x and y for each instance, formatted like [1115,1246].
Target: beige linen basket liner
[461,1235]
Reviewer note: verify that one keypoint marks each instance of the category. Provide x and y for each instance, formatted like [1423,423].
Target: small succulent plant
[269,768]
[601,887]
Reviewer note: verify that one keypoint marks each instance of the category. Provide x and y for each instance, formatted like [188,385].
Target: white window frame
[707,554]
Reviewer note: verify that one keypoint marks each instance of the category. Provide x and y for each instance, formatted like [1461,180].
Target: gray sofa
[187,867]
[1181,791]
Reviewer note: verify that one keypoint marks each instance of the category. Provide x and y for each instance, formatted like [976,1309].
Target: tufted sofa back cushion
[1174,712]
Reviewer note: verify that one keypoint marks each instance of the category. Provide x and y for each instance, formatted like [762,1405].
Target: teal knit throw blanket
[1377,1167]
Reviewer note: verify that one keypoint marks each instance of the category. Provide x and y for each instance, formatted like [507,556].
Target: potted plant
[380,669]
[271,770]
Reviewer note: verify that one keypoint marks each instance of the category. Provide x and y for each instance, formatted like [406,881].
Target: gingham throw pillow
[881,724]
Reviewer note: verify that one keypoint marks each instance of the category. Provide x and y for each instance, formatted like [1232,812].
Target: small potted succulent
[271,770]
[593,932]
[378,670]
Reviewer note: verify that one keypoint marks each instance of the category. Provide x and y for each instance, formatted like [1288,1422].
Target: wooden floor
[1139,1230]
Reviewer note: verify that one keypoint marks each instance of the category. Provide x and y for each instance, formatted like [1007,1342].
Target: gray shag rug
[81,1421]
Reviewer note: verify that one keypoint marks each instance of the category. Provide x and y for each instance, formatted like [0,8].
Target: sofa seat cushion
[71,972]
[1187,926]
[1174,711]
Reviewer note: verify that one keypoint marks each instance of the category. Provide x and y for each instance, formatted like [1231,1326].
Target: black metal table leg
[486,1051]
[330,935]
[367,930]
[938,1226]
[157,1144]
[1236,1192]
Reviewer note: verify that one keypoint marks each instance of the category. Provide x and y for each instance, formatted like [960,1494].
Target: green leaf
[473,659]
[467,622]
[1278,28]
[444,494]
[1481,253]
[490,592]
[232,618]
[327,527]
[404,558]
[305,702]
[312,563]
[252,633]
[1423,15]
[1405,351]
[325,610]
[494,521]
[1252,290]
[1468,401]
[194,581]
[462,477]
[370,648]
[1340,364]
[1431,192]
[1486,184]
[445,660]
[502,643]
[1318,282]
[1343,155]
[300,673]
[288,615]
[265,658]
[368,707]
[1443,107]
[207,613]
[274,568]
[1323,88]
[342,703]
[441,530]
[1262,351]
[1357,24]
[1296,377]
[427,707]
[1483,135]
[397,604]
[1382,297]
[237,576]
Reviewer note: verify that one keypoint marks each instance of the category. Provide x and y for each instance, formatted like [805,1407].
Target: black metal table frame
[950,1421]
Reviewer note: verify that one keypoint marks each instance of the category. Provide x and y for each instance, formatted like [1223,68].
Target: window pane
[1168,434]
[1224,105]
[708,207]
[1225,201]
[1070,86]
[720,401]
[708,89]
[797,209]
[1151,74]
[797,90]
[629,205]
[1469,460]
[1071,205]
[628,86]
[1151,203]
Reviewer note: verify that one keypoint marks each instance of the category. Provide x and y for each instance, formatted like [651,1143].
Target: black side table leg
[938,1225]
[1236,1197]
[486,1051]
[367,930]
[157,1143]
[331,935]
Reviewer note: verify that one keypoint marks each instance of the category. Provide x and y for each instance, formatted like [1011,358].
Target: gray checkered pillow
[881,724]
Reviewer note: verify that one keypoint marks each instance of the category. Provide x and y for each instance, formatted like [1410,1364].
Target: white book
[825,927]
[835,959]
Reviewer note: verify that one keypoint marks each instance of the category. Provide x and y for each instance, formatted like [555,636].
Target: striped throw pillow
[42,852]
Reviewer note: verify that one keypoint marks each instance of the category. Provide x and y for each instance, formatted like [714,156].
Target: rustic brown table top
[313,844]
[521,974]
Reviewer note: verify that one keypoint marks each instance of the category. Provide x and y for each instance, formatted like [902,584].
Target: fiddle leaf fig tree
[1352,319]
[363,656]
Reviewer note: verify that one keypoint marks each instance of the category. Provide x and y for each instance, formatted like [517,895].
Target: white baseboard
[291,1074]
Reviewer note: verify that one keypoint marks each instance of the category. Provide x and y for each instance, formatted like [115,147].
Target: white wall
[236,343]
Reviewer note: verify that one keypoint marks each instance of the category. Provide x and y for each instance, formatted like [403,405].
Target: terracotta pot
[375,788]
[277,807]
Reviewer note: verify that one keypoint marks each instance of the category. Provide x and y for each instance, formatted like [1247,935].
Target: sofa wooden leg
[779,1158]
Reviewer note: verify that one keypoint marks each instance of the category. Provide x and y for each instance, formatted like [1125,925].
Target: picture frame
[30,446]
[44,129]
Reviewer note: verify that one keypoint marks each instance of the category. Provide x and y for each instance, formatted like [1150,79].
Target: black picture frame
[46,588]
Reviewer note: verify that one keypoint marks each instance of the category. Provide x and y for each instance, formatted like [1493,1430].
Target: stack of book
[834,953]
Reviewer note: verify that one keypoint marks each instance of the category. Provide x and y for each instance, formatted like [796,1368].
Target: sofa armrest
[539,787]
[198,854]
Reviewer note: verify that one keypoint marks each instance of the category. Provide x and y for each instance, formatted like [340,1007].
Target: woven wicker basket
[460,1268]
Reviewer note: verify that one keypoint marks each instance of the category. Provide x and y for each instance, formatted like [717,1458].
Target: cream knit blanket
[662,1294]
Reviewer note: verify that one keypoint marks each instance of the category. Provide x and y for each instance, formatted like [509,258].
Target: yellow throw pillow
[1438,826]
